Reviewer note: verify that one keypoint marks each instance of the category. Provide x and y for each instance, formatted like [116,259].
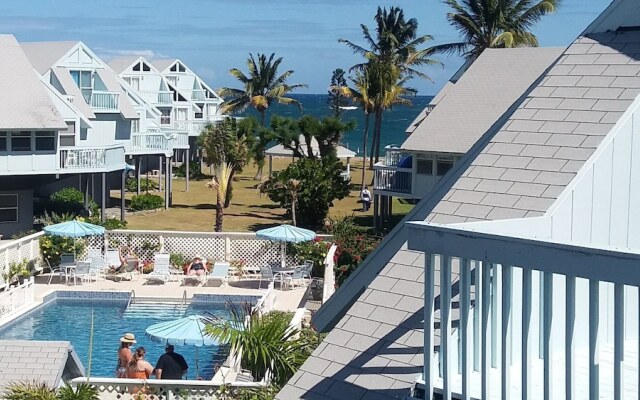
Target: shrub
[146,201]
[146,184]
[70,200]
[29,391]
[353,247]
[177,260]
[195,170]
[111,224]
[315,251]
[52,247]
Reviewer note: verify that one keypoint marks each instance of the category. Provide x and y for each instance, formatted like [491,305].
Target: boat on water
[348,107]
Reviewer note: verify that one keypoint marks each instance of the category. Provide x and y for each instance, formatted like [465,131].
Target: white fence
[14,299]
[26,248]
[329,274]
[535,319]
[267,302]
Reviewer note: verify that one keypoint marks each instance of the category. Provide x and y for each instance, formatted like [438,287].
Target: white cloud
[146,53]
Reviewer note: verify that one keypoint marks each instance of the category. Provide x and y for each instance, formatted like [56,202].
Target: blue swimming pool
[70,319]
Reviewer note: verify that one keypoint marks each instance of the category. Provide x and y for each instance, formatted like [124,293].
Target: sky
[212,36]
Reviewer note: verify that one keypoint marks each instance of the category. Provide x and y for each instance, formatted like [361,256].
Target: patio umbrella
[286,233]
[74,229]
[184,331]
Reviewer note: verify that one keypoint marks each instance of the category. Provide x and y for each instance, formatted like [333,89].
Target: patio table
[283,272]
[68,269]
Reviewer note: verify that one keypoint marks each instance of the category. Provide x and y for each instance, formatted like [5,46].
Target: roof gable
[44,55]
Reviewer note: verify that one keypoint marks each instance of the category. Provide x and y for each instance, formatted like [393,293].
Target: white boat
[348,107]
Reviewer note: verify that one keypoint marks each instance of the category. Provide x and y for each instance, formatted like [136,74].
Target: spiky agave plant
[267,345]
[219,182]
[28,390]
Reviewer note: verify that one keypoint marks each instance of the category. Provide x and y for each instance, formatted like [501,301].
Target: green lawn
[249,210]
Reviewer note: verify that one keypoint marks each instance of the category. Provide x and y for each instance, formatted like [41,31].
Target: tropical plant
[110,223]
[146,184]
[336,98]
[327,132]
[315,251]
[320,184]
[195,170]
[393,55]
[51,218]
[177,260]
[146,201]
[495,23]
[29,391]
[52,247]
[219,182]
[70,200]
[261,87]
[17,269]
[265,342]
[83,391]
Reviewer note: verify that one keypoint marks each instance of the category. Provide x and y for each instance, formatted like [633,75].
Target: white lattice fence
[26,248]
[211,248]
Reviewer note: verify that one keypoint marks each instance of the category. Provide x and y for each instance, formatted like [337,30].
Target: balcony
[81,159]
[395,181]
[193,127]
[156,97]
[105,101]
[180,139]
[151,142]
[530,317]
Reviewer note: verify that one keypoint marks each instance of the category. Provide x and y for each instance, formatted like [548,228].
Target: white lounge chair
[161,269]
[195,278]
[219,274]
[113,258]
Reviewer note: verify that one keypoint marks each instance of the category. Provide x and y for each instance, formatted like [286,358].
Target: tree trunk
[227,197]
[219,212]
[258,176]
[293,211]
[373,146]
[378,134]
[364,148]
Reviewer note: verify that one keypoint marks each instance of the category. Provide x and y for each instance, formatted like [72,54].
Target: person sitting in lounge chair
[196,267]
[126,256]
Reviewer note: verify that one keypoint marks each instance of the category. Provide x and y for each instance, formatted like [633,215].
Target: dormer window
[85,82]
[177,67]
[141,66]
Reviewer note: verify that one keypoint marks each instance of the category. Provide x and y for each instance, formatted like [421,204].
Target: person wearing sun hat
[196,267]
[124,354]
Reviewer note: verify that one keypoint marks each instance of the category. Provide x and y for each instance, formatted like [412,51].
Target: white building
[518,275]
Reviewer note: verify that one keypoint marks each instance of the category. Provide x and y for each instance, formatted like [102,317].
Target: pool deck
[286,300]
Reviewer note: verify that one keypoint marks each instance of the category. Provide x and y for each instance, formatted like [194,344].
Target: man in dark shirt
[171,365]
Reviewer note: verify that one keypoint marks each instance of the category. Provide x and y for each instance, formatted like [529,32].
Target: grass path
[249,210]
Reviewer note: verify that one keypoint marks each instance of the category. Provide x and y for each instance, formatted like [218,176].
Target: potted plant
[19,271]
[317,288]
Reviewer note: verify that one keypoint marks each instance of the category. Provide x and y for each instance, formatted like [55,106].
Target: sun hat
[128,338]
[198,257]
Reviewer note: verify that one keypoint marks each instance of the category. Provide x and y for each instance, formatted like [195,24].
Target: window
[145,67]
[84,81]
[425,166]
[165,118]
[443,165]
[174,67]
[68,136]
[136,67]
[20,141]
[45,141]
[3,141]
[8,208]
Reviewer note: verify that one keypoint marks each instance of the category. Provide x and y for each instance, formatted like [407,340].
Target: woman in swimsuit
[138,367]
[124,354]
[196,267]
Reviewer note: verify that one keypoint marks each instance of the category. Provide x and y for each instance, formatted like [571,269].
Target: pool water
[65,319]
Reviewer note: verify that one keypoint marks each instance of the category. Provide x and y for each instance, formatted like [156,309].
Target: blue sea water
[70,320]
[394,122]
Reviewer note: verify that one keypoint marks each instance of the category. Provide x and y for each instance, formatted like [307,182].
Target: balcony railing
[198,95]
[193,127]
[104,101]
[156,97]
[151,143]
[392,179]
[509,317]
[180,139]
[81,158]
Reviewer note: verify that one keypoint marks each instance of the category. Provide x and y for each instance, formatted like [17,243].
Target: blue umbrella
[286,233]
[184,331]
[74,229]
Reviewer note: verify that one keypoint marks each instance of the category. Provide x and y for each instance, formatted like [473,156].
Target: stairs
[156,309]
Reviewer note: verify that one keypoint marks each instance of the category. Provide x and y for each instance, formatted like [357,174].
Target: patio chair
[82,271]
[67,259]
[98,266]
[219,274]
[52,271]
[113,258]
[161,268]
[298,277]
[266,274]
[94,253]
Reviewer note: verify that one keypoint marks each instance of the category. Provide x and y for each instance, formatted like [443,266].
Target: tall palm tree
[396,52]
[262,86]
[496,23]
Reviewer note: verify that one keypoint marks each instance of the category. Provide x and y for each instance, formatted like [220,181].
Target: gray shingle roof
[26,104]
[29,360]
[518,169]
[43,55]
[467,109]
[163,63]
[121,63]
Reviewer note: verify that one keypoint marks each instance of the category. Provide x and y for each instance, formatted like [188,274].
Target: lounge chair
[94,253]
[195,278]
[98,266]
[161,269]
[219,274]
[82,271]
[129,269]
[113,258]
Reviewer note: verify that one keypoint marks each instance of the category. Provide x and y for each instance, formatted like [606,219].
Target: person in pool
[138,367]
[196,267]
[124,354]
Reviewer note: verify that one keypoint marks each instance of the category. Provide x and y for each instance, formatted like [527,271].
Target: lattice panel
[134,392]
[211,248]
[258,252]
[143,245]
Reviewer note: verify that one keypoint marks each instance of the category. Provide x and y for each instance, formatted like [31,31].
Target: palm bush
[146,184]
[29,391]
[146,201]
[83,391]
[265,342]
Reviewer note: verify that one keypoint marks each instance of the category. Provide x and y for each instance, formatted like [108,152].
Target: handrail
[184,297]
[132,298]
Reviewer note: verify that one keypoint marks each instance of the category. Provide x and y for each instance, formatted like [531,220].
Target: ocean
[394,121]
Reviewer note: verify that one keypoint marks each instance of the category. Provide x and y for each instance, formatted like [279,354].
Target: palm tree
[261,88]
[395,53]
[496,23]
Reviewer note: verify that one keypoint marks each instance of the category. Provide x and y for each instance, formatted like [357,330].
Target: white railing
[329,274]
[159,389]
[392,156]
[80,158]
[193,127]
[392,179]
[535,319]
[15,299]
[26,248]
[156,96]
[150,142]
[267,302]
[181,139]
[198,94]
[107,101]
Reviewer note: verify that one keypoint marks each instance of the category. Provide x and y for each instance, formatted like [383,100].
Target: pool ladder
[132,298]
[184,297]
